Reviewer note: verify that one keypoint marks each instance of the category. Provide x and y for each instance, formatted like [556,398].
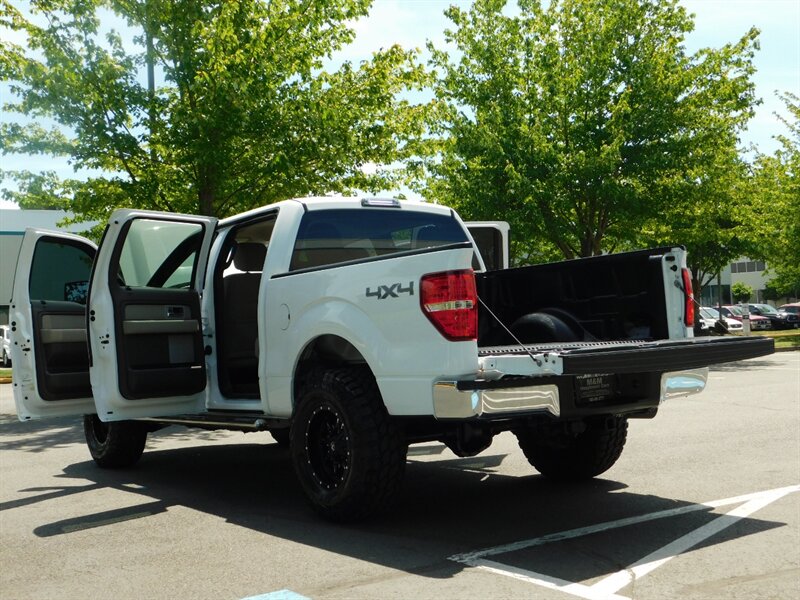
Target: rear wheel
[348,454]
[575,455]
[114,445]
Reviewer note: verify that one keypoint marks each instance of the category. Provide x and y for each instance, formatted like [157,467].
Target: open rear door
[48,325]
[145,325]
[491,238]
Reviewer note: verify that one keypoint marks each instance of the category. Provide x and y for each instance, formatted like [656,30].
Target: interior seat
[240,320]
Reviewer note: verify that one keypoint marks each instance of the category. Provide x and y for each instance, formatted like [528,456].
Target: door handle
[174,312]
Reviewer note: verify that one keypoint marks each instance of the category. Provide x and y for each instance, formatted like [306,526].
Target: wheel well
[326,352]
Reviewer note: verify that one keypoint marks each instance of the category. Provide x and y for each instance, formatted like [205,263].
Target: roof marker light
[381,202]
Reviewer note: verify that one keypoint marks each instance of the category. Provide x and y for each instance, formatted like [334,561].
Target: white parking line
[610,585]
[278,595]
[552,583]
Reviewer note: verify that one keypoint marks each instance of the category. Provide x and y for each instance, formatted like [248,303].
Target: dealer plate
[595,388]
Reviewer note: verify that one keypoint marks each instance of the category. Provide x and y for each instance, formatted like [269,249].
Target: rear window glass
[328,237]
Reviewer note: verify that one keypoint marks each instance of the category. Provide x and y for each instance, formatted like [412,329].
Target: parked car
[757,323]
[779,319]
[710,316]
[5,340]
[793,308]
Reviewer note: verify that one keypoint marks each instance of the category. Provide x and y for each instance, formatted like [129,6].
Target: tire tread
[379,467]
[580,457]
[123,446]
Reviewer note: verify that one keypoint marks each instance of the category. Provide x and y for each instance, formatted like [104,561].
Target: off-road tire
[347,453]
[114,445]
[564,456]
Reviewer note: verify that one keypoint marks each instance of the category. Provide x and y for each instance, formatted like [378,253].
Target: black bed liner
[637,356]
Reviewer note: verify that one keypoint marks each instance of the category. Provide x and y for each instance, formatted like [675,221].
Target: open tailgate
[580,358]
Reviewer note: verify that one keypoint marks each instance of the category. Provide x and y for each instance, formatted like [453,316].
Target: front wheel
[114,445]
[348,454]
[567,455]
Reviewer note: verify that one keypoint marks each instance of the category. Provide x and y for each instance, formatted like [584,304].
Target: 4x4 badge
[390,291]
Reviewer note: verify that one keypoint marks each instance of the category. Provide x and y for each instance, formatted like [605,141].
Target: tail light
[688,311]
[450,301]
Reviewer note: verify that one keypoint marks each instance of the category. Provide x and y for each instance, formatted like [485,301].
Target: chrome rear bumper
[451,403]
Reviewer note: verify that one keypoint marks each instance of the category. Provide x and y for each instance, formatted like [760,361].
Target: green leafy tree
[776,200]
[771,292]
[214,107]
[710,213]
[580,121]
[741,292]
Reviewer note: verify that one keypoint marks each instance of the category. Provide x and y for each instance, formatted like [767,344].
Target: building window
[749,266]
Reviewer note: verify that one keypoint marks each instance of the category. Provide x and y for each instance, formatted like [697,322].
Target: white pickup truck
[350,329]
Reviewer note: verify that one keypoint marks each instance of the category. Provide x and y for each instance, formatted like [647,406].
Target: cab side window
[60,271]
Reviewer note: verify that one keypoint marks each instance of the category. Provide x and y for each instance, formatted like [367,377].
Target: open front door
[48,325]
[145,324]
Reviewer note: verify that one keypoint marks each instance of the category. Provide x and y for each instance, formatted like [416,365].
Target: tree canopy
[711,214]
[214,107]
[776,204]
[582,121]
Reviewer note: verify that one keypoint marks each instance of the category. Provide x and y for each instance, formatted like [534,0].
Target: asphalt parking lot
[704,503]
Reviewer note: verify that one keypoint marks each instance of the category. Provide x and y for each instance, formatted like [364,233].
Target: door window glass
[60,271]
[159,254]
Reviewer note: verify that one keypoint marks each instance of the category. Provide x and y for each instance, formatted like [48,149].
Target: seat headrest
[249,256]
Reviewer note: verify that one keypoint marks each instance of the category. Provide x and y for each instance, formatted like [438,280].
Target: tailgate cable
[538,361]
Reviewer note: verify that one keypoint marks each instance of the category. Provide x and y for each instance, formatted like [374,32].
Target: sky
[411,23]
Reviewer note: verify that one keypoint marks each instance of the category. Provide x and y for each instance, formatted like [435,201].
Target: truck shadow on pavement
[47,434]
[753,364]
[38,436]
[448,506]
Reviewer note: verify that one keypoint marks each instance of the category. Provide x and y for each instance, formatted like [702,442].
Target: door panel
[145,318]
[61,351]
[161,344]
[48,325]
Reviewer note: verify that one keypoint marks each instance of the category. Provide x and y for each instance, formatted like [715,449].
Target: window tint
[334,236]
[159,254]
[60,271]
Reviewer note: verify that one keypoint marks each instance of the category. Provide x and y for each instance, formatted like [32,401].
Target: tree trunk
[206,199]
